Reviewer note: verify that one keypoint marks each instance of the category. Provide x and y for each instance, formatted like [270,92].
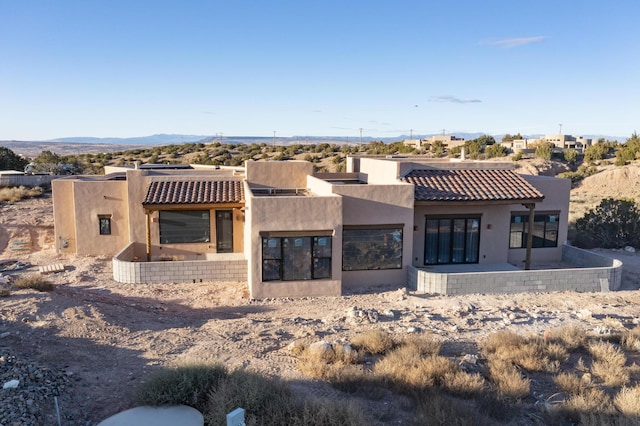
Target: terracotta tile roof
[194,192]
[471,185]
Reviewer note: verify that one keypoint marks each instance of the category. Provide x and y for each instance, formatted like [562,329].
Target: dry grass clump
[571,337]
[17,193]
[374,341]
[529,353]
[609,364]
[589,402]
[627,401]
[464,384]
[630,339]
[424,344]
[215,391]
[406,369]
[33,281]
[570,383]
[323,360]
[436,409]
[508,380]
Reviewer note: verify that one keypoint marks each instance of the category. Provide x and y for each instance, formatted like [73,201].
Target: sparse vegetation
[34,282]
[215,391]
[17,193]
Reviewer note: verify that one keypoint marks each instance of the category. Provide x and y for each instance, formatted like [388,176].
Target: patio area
[580,270]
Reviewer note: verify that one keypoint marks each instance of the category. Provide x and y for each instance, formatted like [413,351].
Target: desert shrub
[215,391]
[571,337]
[15,194]
[544,150]
[374,341]
[463,383]
[326,361]
[591,402]
[612,224]
[495,150]
[528,352]
[627,401]
[189,384]
[570,383]
[406,369]
[517,156]
[570,155]
[34,282]
[424,344]
[582,172]
[436,409]
[630,339]
[608,363]
[508,380]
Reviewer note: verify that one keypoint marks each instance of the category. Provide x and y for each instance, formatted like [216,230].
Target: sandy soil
[109,336]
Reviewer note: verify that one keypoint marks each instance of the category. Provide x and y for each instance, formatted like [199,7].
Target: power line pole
[410,134]
[360,136]
[560,128]
[274,139]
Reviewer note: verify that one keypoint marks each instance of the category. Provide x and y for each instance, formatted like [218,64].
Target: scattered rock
[11,384]
[629,249]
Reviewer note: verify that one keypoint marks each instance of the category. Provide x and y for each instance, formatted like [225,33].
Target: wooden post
[527,260]
[148,216]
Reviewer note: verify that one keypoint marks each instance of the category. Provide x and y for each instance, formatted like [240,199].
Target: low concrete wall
[27,180]
[594,273]
[226,267]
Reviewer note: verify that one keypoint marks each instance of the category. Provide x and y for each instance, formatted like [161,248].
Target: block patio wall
[230,267]
[597,273]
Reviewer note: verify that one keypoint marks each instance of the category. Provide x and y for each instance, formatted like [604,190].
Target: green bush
[544,151]
[612,224]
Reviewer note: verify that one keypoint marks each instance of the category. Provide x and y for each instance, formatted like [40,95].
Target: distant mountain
[160,139]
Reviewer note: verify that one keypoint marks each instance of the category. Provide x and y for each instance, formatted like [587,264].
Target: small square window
[105,225]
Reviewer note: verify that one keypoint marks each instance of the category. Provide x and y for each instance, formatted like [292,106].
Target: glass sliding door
[452,240]
[224,231]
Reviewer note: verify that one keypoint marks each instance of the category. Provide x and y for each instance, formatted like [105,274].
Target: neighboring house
[559,142]
[289,231]
[449,141]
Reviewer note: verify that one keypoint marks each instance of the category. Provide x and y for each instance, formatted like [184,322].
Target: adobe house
[436,226]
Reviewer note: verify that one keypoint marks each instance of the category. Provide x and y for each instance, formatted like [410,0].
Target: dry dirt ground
[106,337]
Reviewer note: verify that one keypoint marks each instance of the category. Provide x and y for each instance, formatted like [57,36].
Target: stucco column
[147,214]
[527,259]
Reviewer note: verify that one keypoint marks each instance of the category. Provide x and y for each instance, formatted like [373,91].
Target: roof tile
[194,192]
[471,185]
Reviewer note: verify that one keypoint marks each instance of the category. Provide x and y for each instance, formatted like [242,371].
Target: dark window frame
[174,229]
[550,229]
[391,246]
[280,253]
[445,240]
[104,224]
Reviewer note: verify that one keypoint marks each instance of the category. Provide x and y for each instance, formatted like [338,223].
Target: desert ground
[91,341]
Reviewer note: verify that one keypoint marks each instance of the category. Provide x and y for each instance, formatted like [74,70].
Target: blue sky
[133,68]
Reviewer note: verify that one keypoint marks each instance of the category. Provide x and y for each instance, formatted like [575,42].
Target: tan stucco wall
[93,198]
[556,198]
[64,215]
[303,214]
[279,174]
[378,205]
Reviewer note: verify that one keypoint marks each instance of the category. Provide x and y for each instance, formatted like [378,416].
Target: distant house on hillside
[441,226]
[449,141]
[559,143]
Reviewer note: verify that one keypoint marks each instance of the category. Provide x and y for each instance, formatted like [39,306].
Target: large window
[184,226]
[545,230]
[296,258]
[372,248]
[452,240]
